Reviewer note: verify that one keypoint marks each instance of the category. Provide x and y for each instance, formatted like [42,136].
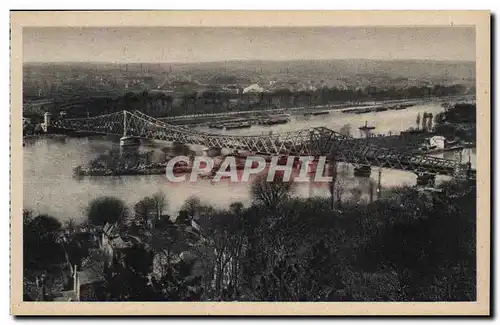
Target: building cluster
[109,250]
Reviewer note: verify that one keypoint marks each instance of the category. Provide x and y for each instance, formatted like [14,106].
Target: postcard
[250,163]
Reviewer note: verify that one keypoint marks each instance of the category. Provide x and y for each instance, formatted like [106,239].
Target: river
[49,185]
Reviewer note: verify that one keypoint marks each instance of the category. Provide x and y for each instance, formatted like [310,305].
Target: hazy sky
[178,44]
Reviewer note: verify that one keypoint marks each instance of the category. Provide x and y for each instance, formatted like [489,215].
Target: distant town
[161,90]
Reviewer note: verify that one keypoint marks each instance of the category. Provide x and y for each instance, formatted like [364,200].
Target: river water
[49,185]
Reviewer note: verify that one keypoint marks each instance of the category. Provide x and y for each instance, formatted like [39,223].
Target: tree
[236,208]
[144,100]
[45,225]
[356,194]
[181,149]
[323,268]
[106,209]
[429,122]
[346,130]
[27,217]
[160,203]
[192,206]
[271,194]
[183,218]
[424,121]
[70,225]
[225,235]
[130,283]
[149,210]
[165,240]
[40,236]
[440,118]
[179,283]
[341,181]
[144,213]
[431,264]
[332,171]
[169,100]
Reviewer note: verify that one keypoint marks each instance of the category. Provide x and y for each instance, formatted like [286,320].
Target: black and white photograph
[245,164]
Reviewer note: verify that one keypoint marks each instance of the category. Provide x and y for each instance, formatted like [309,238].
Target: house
[86,286]
[255,88]
[232,89]
[113,245]
[437,141]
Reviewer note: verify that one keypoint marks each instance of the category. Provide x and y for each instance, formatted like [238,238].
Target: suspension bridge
[316,141]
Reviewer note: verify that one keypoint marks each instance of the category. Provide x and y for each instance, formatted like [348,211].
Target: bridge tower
[47,121]
[128,144]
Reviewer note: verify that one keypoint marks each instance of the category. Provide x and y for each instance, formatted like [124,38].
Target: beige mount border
[479,19]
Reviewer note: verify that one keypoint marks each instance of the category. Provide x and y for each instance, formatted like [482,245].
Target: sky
[202,44]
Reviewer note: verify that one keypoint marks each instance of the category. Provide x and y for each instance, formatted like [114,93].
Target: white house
[255,88]
[437,141]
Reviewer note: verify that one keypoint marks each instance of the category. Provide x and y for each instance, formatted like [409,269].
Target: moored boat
[243,125]
[126,141]
[366,127]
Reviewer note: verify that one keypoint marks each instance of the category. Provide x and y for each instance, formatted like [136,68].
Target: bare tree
[424,121]
[192,206]
[332,171]
[341,182]
[224,234]
[345,130]
[338,184]
[165,239]
[70,225]
[429,122]
[160,203]
[271,194]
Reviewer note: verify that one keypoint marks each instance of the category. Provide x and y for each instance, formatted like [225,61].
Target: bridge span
[317,141]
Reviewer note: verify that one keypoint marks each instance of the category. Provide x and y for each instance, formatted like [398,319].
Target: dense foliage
[410,245]
[457,121]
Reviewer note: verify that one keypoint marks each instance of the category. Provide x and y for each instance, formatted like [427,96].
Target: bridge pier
[362,171]
[212,151]
[47,121]
[428,180]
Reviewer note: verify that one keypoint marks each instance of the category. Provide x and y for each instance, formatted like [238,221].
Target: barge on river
[130,141]
[273,121]
[317,113]
[366,127]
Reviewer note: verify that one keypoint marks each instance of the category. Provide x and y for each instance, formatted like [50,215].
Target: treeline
[407,246]
[163,104]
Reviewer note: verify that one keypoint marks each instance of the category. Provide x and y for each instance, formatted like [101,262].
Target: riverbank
[248,115]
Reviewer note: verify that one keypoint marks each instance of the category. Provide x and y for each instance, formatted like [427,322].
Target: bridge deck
[306,142]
